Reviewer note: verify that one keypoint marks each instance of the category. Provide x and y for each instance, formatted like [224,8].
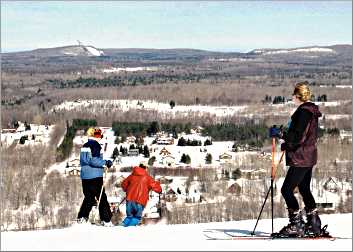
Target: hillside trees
[65,148]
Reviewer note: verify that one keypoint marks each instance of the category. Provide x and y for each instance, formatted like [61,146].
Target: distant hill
[76,57]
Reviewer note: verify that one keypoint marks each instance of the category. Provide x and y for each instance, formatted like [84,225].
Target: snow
[305,50]
[40,133]
[129,69]
[94,51]
[148,105]
[182,237]
[344,86]
[337,116]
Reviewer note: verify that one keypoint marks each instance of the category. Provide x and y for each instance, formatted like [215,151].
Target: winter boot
[107,224]
[82,220]
[313,222]
[295,228]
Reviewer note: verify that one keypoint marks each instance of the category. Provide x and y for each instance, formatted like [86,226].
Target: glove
[108,163]
[283,146]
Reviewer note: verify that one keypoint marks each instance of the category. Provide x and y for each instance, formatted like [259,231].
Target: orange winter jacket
[138,184]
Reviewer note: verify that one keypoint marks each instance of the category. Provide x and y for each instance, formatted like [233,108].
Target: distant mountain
[335,49]
[145,53]
[76,57]
[336,54]
[74,50]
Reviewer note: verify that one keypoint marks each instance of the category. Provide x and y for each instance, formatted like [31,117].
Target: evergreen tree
[140,149]
[182,142]
[172,104]
[115,153]
[188,159]
[146,151]
[236,174]
[151,160]
[185,158]
[208,158]
[154,128]
[207,142]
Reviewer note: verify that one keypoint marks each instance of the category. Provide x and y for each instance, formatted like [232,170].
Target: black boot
[295,228]
[313,222]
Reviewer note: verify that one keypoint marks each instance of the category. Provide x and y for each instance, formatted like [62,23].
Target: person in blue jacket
[92,169]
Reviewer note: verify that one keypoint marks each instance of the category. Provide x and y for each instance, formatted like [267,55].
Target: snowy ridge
[185,237]
[94,51]
[164,108]
[298,50]
[128,69]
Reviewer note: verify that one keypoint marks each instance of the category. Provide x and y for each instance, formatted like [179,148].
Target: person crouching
[137,187]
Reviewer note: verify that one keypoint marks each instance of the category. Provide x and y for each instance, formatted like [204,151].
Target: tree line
[65,148]
[133,79]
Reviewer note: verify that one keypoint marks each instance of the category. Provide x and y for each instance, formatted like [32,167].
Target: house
[331,185]
[8,131]
[196,130]
[130,139]
[165,140]
[164,152]
[73,172]
[253,173]
[170,195]
[234,189]
[346,135]
[133,152]
[165,180]
[225,158]
[168,160]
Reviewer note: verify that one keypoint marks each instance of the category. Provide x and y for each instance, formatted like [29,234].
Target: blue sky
[220,26]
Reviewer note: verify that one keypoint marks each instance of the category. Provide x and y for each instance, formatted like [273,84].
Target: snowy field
[161,237]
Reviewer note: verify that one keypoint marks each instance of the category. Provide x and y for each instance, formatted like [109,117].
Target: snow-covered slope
[295,50]
[160,237]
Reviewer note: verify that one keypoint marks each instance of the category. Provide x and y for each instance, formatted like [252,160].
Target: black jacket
[301,138]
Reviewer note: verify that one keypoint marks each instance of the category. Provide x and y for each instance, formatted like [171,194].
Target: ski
[229,235]
[266,237]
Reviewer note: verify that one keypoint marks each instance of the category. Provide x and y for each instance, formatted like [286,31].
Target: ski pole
[100,195]
[273,173]
[105,176]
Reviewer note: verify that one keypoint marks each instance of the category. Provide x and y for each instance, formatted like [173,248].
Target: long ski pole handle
[274,169]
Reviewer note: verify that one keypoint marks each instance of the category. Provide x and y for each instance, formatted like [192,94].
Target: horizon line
[171,48]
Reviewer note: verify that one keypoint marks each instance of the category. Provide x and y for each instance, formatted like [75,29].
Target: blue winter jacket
[91,161]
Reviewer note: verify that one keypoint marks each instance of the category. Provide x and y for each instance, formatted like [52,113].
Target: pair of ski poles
[273,175]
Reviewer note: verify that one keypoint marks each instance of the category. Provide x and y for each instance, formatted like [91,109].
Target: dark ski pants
[301,177]
[91,189]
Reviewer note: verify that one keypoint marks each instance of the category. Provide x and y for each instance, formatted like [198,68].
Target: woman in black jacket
[301,156]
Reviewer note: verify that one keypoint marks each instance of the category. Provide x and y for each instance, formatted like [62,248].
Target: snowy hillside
[182,111]
[161,237]
[297,50]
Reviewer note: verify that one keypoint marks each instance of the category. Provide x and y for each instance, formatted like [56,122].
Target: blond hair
[302,91]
